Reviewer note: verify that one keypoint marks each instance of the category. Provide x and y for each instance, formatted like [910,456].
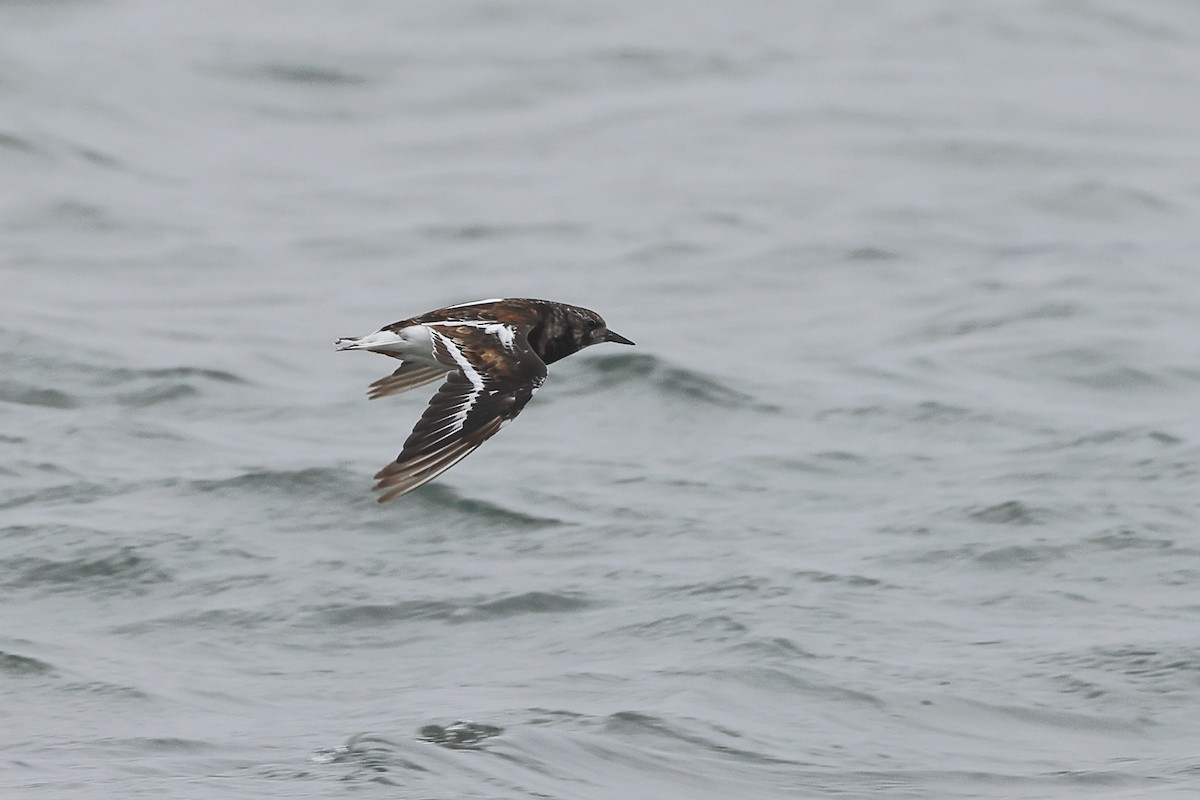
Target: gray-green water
[897,496]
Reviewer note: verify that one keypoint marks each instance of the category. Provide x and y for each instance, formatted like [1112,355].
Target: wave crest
[669,381]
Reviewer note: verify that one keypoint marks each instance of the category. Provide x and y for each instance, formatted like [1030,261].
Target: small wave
[856,581]
[1165,669]
[561,754]
[1126,538]
[872,253]
[626,724]
[1117,436]
[677,383]
[371,758]
[927,412]
[460,735]
[300,481]
[78,215]
[532,603]
[738,586]
[100,159]
[105,689]
[1096,368]
[11,141]
[164,744]
[305,74]
[157,394]
[142,388]
[1010,512]
[975,324]
[794,681]
[717,628]
[77,384]
[663,64]
[830,462]
[57,148]
[122,569]
[26,395]
[1020,555]
[344,483]
[75,493]
[16,665]
[157,373]
[372,615]
[772,647]
[1047,719]
[979,151]
[1102,200]
[1007,556]
[217,619]
[447,497]
[485,231]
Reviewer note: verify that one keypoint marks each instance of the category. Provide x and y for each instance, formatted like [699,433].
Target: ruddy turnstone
[492,356]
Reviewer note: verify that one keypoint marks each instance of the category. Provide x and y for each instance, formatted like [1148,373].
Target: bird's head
[593,330]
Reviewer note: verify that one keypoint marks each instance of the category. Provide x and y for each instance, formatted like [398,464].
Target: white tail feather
[379,342]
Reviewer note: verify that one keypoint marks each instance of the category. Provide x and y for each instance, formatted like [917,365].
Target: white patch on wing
[478,302]
[472,374]
[505,333]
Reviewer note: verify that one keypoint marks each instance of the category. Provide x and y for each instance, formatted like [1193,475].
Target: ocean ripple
[66,385]
[442,496]
[16,665]
[370,615]
[25,394]
[677,383]
[113,569]
[297,481]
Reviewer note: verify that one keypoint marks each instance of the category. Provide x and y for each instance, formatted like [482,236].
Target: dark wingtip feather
[401,477]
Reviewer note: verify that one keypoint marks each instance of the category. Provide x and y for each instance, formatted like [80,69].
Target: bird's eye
[593,324]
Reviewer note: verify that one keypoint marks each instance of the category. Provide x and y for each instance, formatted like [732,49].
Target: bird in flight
[490,355]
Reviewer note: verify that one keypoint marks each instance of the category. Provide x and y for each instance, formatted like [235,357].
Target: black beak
[612,336]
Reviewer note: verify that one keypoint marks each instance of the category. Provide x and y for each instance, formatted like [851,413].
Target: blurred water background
[897,495]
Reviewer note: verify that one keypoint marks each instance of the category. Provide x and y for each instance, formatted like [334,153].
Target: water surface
[895,497]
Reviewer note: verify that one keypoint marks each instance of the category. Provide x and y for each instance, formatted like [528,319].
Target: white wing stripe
[447,432]
[478,302]
[505,333]
[460,414]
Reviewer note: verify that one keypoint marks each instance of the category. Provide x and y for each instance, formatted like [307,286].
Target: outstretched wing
[495,374]
[409,376]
